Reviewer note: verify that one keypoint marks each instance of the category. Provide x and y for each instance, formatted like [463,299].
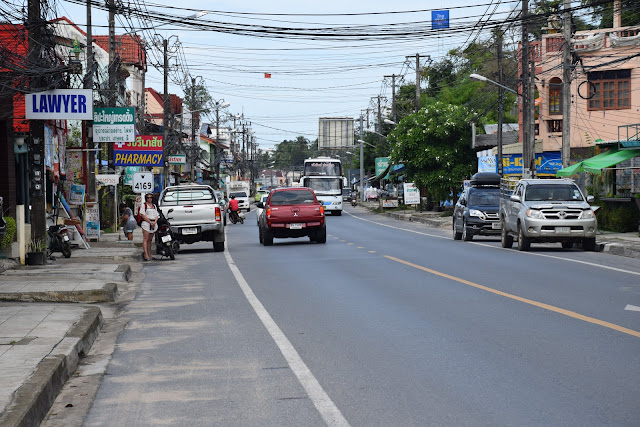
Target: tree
[201,101]
[603,12]
[433,144]
[290,154]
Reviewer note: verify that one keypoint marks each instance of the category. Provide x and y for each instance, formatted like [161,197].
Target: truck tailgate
[191,215]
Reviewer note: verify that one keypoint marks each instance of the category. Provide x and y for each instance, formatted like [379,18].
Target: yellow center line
[349,243]
[372,252]
[568,313]
[360,247]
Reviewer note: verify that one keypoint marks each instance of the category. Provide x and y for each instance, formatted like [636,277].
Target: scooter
[354,201]
[58,240]
[166,244]
[236,216]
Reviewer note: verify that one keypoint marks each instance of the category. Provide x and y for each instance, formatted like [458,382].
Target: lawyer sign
[60,104]
[114,125]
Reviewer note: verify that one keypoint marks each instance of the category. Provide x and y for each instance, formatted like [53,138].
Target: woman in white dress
[149,214]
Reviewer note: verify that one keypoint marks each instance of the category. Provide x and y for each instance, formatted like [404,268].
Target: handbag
[139,217]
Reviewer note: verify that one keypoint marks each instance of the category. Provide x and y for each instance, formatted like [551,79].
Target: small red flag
[267,75]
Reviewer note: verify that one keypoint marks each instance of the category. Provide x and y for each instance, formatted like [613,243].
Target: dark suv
[476,212]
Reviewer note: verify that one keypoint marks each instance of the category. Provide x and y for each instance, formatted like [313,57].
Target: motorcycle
[166,244]
[354,201]
[235,217]
[58,240]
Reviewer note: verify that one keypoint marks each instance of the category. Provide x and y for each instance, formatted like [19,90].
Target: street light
[389,122]
[500,111]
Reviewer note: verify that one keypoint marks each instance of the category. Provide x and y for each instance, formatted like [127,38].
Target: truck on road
[546,210]
[241,191]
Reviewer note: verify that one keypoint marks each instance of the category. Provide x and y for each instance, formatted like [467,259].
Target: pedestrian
[149,213]
[127,221]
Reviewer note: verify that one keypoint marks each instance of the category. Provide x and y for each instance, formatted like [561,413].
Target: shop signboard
[411,194]
[93,222]
[487,164]
[177,159]
[108,179]
[76,194]
[114,124]
[382,163]
[145,150]
[60,104]
[547,163]
[128,174]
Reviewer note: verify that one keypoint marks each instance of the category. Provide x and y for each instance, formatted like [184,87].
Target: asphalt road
[388,323]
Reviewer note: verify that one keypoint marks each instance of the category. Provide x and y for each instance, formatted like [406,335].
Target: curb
[107,293]
[34,398]
[621,250]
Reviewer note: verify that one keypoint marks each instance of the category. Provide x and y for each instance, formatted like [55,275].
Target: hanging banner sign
[60,104]
[177,159]
[114,124]
[145,150]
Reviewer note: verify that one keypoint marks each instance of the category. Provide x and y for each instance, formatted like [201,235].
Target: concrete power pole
[36,128]
[379,120]
[113,70]
[500,98]
[394,112]
[165,109]
[566,85]
[528,144]
[91,155]
[193,128]
[361,158]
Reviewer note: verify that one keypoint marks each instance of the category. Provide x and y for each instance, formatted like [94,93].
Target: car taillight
[218,215]
[268,212]
[322,210]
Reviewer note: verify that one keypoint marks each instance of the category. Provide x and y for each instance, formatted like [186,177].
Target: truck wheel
[218,246]
[589,244]
[505,238]
[321,235]
[524,243]
[466,236]
[267,238]
[456,235]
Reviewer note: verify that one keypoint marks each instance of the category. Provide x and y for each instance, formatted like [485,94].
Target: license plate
[495,226]
[166,238]
[65,238]
[295,226]
[327,203]
[192,230]
[563,229]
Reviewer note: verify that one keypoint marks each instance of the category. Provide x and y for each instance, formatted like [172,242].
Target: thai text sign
[439,19]
[177,159]
[114,124]
[382,163]
[548,162]
[145,150]
[71,104]
[411,194]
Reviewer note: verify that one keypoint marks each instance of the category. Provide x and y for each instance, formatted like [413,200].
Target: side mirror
[515,198]
[260,205]
[590,199]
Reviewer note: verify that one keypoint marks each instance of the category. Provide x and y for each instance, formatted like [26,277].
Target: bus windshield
[324,185]
[322,168]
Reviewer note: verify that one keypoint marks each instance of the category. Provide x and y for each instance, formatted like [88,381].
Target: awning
[596,163]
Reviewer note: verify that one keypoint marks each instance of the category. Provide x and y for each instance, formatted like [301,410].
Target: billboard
[335,132]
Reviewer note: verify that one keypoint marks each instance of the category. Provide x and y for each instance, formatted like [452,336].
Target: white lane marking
[632,307]
[606,267]
[321,400]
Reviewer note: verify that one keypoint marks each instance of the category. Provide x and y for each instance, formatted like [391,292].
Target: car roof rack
[485,179]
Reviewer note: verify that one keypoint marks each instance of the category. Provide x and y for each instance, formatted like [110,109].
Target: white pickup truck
[195,214]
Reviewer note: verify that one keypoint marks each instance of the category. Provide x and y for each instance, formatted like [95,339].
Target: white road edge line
[630,307]
[620,270]
[323,403]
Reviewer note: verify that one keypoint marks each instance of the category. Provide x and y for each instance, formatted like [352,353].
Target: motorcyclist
[233,206]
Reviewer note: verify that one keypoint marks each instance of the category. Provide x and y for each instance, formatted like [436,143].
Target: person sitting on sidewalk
[127,221]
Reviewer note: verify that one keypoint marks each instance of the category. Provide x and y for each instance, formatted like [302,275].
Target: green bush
[10,233]
[619,218]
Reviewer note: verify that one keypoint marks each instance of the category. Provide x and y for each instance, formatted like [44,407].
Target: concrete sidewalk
[41,344]
[623,244]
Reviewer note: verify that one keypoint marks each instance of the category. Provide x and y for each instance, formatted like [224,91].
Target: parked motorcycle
[235,217]
[58,240]
[166,244]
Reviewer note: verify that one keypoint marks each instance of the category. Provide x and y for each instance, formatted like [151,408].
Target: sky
[309,78]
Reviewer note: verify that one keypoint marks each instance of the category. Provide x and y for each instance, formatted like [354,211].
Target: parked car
[223,204]
[259,210]
[292,212]
[195,214]
[476,212]
[546,210]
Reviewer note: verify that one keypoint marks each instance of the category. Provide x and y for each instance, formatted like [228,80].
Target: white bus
[324,176]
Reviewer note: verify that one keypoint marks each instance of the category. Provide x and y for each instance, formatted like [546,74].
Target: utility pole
[361,158]
[165,109]
[528,140]
[36,128]
[566,85]
[500,98]
[193,128]
[393,97]
[379,120]
[113,70]
[216,147]
[417,56]
[90,153]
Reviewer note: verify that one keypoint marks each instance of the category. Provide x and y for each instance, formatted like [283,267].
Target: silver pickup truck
[195,214]
[546,210]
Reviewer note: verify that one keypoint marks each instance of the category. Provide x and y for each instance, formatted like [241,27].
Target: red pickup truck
[292,212]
